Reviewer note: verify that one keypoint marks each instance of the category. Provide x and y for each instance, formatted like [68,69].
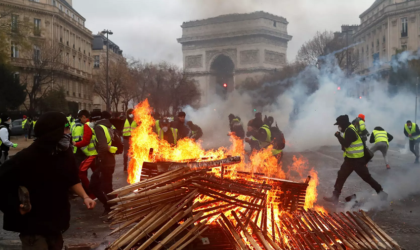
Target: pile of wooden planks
[173,209]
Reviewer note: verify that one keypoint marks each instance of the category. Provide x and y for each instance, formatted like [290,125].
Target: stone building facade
[224,51]
[56,23]
[99,52]
[386,27]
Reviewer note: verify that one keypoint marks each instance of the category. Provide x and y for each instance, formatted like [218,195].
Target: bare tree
[314,48]
[42,66]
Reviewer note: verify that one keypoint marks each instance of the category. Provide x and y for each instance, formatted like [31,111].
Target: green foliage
[54,100]
[12,93]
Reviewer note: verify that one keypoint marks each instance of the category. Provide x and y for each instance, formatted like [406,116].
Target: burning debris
[172,209]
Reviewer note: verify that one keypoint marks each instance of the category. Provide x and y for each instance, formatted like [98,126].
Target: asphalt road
[399,216]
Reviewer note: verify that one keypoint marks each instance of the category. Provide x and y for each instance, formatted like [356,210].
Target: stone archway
[222,71]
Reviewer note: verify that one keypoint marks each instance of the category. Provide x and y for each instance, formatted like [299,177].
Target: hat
[50,126]
[181,114]
[5,118]
[105,115]
[24,116]
[362,116]
[231,116]
[342,120]
[408,121]
[96,115]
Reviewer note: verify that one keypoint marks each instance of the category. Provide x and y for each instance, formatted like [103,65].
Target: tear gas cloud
[307,120]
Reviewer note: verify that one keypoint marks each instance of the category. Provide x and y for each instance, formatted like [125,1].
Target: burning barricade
[185,192]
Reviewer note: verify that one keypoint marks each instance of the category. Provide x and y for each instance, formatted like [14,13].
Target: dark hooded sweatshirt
[372,137]
[106,158]
[48,174]
[351,136]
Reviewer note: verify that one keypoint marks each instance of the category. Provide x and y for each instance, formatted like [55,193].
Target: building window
[15,24]
[96,62]
[37,27]
[15,50]
[375,59]
[37,54]
[53,2]
[274,24]
[404,28]
[60,7]
[16,77]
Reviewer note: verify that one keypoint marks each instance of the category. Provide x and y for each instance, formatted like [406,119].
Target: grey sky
[148,29]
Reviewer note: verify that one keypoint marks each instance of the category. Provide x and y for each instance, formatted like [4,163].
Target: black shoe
[106,212]
[383,196]
[333,199]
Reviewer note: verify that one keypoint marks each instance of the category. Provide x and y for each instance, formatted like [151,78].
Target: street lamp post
[417,94]
[108,104]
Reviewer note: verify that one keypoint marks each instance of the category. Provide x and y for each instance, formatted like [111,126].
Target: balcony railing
[404,34]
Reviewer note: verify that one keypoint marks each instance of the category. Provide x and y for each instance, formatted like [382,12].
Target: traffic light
[360,97]
[339,88]
[255,110]
[224,85]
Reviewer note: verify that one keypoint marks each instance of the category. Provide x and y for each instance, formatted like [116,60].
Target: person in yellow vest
[166,132]
[101,180]
[196,131]
[354,159]
[250,138]
[129,125]
[87,147]
[411,130]
[77,136]
[381,138]
[70,119]
[26,126]
[359,124]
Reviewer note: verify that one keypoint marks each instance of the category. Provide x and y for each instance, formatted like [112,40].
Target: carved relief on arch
[212,54]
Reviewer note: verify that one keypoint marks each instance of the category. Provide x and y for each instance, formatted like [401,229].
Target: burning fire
[143,138]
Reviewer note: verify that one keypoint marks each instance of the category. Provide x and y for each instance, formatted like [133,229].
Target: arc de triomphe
[227,50]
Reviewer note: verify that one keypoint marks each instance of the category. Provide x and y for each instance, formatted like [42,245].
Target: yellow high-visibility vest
[355,150]
[129,127]
[264,144]
[90,149]
[412,131]
[380,136]
[174,133]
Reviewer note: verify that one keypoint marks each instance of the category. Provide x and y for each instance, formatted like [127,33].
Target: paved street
[399,216]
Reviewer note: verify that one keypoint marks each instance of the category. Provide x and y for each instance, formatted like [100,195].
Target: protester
[5,143]
[43,172]
[26,126]
[236,127]
[196,131]
[87,147]
[129,125]
[179,124]
[101,180]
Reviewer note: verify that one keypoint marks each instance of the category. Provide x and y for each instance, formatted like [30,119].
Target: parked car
[16,128]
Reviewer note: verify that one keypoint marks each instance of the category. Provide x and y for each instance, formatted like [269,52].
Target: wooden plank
[385,235]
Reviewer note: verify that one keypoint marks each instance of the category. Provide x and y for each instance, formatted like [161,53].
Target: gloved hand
[337,134]
[15,145]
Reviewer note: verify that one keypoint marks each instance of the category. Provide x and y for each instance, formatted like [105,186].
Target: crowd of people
[260,133]
[66,148]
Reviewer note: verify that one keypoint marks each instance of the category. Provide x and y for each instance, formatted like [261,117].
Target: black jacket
[415,133]
[372,137]
[237,127]
[350,137]
[183,130]
[105,158]
[196,132]
[47,175]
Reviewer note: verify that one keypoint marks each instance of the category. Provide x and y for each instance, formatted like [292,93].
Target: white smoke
[313,125]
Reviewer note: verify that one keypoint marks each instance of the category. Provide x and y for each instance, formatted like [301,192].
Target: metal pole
[108,105]
[417,93]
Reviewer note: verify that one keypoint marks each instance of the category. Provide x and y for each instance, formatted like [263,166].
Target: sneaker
[106,212]
[383,196]
[333,199]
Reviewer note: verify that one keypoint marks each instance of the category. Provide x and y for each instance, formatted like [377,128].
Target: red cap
[362,116]
[24,116]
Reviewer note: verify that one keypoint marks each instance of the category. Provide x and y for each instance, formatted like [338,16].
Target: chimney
[70,2]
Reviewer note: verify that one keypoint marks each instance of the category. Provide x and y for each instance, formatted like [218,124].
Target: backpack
[277,136]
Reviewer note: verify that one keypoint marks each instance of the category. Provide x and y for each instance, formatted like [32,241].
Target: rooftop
[234,18]
[64,2]
[374,5]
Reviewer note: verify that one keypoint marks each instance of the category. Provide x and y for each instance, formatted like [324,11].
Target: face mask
[165,129]
[340,129]
[131,115]
[409,127]
[64,142]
